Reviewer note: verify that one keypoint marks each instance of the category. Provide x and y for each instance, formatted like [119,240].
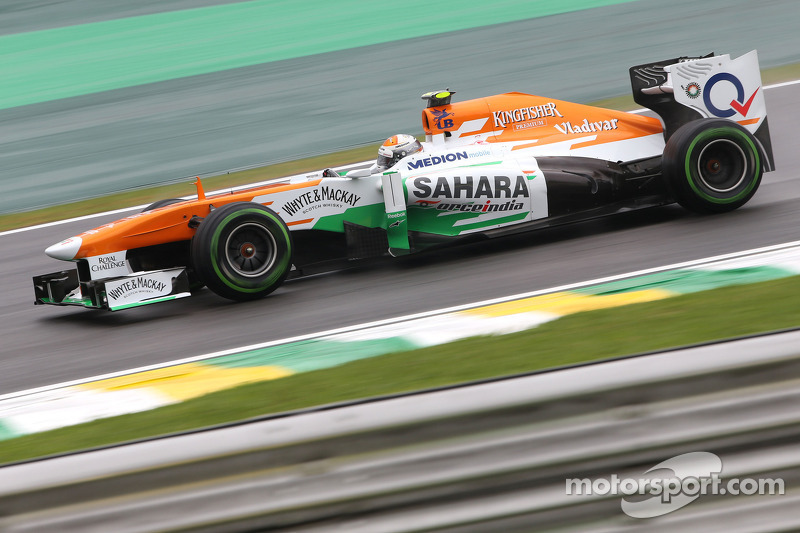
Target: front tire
[712,166]
[242,251]
[162,203]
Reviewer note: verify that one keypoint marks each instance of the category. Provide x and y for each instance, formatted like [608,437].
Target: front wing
[113,294]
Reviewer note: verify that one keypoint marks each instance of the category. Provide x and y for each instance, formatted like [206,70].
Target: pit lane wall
[39,410]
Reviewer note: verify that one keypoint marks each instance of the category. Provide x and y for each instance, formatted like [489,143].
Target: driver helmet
[396,148]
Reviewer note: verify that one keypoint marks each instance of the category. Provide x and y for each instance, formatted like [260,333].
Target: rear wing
[683,89]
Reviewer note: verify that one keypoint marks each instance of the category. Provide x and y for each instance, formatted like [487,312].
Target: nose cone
[65,250]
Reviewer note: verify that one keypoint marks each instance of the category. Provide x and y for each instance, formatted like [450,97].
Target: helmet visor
[385,158]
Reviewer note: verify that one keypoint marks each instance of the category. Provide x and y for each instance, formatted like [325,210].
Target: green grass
[682,320]
[148,195]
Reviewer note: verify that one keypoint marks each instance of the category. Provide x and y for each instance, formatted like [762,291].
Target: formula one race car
[490,166]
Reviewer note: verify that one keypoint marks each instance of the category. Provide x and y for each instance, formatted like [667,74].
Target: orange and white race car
[490,166]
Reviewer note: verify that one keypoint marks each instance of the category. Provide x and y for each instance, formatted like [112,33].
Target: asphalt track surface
[220,121]
[91,145]
[43,345]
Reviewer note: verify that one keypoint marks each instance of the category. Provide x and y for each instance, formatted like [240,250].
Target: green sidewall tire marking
[278,269]
[731,134]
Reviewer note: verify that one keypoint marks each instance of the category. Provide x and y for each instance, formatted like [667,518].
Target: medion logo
[502,118]
[587,127]
[437,160]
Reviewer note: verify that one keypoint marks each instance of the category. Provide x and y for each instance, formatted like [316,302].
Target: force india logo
[692,90]
[316,196]
[471,207]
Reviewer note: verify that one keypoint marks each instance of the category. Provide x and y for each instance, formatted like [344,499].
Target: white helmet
[396,148]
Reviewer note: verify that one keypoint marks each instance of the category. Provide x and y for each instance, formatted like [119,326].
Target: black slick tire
[242,251]
[712,165]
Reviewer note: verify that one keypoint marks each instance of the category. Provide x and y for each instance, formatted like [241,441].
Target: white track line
[405,318]
[250,185]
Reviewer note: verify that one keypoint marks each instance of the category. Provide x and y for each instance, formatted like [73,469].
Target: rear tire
[712,166]
[242,251]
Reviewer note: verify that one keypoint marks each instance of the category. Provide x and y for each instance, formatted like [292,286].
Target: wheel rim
[722,166]
[250,250]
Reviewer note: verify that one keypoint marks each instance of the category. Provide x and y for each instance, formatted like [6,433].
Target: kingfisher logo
[442,122]
[525,114]
[739,105]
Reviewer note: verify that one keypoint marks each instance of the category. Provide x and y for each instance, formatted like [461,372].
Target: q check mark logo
[736,106]
[743,109]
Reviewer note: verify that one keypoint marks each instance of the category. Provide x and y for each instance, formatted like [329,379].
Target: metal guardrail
[486,457]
